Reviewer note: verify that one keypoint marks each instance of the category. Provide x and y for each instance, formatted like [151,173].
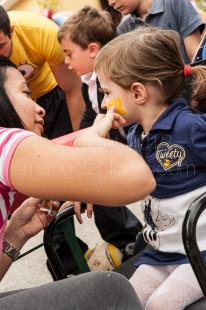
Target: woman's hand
[94,136]
[28,220]
[104,122]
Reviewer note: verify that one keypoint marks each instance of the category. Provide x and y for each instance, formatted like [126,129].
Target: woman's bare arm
[94,170]
[111,176]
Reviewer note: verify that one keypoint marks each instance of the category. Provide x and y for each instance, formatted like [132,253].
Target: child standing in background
[178,15]
[81,37]
[145,69]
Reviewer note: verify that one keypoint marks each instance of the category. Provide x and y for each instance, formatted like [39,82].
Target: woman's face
[18,92]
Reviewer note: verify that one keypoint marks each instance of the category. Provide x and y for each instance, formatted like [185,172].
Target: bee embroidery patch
[167,162]
[170,155]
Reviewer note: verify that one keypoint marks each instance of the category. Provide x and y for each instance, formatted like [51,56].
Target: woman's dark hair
[8,115]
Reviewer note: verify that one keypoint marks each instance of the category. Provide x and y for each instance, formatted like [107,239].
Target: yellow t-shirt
[35,49]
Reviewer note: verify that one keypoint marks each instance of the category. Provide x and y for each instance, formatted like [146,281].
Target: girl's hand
[28,220]
[78,211]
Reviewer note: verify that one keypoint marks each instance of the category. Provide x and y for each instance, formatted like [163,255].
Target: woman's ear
[93,49]
[139,93]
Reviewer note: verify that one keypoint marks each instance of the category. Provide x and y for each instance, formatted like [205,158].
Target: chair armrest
[190,241]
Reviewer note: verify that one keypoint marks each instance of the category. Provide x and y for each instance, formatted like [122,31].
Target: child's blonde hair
[88,25]
[151,55]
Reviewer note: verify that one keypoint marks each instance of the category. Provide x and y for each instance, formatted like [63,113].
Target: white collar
[89,77]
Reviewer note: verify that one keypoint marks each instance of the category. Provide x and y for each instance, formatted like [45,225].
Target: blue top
[178,15]
[175,145]
[153,257]
[175,150]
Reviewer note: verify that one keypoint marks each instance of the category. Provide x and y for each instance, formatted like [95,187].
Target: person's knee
[114,279]
[153,303]
[122,291]
[160,302]
[115,289]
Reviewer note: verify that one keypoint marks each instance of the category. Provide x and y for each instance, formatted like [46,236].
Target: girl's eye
[69,55]
[28,93]
[103,92]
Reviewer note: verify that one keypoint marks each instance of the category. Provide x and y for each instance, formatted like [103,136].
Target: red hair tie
[187,70]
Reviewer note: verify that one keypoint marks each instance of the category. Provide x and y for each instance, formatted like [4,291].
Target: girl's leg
[179,290]
[91,291]
[146,279]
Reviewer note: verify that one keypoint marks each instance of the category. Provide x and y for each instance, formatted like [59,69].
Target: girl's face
[125,6]
[18,92]
[111,90]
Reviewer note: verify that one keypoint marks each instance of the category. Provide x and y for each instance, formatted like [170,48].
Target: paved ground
[31,270]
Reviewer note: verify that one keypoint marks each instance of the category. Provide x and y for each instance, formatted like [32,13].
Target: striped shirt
[9,140]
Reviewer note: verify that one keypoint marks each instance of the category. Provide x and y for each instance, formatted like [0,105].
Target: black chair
[191,247]
[62,221]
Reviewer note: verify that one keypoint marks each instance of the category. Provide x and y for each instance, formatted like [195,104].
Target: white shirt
[91,80]
[164,218]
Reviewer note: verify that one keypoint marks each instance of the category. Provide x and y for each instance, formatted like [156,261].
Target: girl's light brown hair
[88,25]
[152,55]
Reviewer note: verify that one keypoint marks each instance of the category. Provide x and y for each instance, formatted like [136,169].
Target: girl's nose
[104,105]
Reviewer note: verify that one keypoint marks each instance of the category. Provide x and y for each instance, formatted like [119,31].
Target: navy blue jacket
[174,149]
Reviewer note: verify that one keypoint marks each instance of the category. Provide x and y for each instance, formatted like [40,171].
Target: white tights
[171,287]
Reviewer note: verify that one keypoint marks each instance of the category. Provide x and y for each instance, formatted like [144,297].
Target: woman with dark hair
[68,174]
[8,117]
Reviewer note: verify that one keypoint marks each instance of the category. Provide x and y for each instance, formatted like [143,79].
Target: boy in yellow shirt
[30,41]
